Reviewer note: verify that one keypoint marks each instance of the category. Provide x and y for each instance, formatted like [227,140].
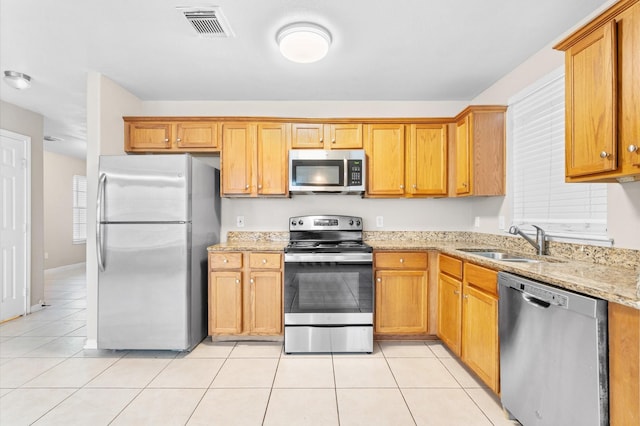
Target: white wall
[29,123]
[58,210]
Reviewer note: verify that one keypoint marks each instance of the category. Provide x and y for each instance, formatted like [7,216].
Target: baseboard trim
[91,344]
[64,267]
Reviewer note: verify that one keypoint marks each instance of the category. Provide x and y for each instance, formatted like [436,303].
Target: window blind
[79,209]
[540,194]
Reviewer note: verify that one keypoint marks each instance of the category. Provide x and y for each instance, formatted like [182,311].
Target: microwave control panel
[354,172]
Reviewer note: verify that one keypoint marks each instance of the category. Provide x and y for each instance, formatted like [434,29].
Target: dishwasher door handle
[535,301]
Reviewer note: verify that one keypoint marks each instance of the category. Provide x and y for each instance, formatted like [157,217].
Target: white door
[13,224]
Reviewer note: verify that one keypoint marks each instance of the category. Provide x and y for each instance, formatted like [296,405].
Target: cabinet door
[427,160]
[385,151]
[266,302]
[307,135]
[145,135]
[225,302]
[401,302]
[450,312]
[463,156]
[591,87]
[197,135]
[272,159]
[480,350]
[344,136]
[629,89]
[238,141]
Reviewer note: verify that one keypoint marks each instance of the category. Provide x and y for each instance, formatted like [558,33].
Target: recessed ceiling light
[303,42]
[17,80]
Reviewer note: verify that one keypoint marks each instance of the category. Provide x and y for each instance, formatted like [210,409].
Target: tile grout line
[386,360]
[335,388]
[273,381]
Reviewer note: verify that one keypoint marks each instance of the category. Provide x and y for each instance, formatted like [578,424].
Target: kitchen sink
[501,255]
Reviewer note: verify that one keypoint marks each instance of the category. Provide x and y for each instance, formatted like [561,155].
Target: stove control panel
[325,223]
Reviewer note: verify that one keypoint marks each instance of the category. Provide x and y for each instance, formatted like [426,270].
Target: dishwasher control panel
[545,295]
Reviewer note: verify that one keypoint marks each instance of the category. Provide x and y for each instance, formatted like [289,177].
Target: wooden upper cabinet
[238,146]
[326,136]
[149,134]
[426,160]
[478,155]
[272,159]
[385,147]
[602,97]
[197,135]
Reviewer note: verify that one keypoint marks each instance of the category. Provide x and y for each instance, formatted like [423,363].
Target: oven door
[328,289]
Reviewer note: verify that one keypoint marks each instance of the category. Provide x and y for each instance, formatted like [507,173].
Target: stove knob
[300,222]
[357,223]
[293,223]
[350,222]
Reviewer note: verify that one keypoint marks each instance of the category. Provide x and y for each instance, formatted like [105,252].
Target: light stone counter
[610,274]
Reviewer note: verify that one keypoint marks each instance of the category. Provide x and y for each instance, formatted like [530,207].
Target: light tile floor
[47,378]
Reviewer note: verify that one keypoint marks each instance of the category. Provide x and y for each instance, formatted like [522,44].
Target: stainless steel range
[328,289]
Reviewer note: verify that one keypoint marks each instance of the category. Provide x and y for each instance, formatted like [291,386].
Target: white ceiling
[423,50]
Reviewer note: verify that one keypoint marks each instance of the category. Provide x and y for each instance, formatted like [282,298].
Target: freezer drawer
[145,288]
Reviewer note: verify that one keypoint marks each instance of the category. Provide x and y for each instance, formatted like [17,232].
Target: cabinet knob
[259,186]
[401,186]
[225,261]
[466,296]
[401,260]
[604,154]
[414,186]
[321,139]
[166,140]
[379,280]
[237,281]
[333,140]
[264,261]
[464,184]
[632,148]
[178,140]
[251,280]
[246,187]
[456,291]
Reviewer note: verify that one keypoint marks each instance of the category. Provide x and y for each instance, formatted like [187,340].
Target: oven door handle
[328,257]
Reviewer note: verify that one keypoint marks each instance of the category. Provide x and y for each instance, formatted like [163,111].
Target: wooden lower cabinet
[468,316]
[245,293]
[624,365]
[401,293]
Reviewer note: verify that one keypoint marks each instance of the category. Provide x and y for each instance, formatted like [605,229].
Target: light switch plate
[476,222]
[240,221]
[379,221]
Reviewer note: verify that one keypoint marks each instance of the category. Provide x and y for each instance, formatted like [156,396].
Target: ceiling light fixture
[17,80]
[303,42]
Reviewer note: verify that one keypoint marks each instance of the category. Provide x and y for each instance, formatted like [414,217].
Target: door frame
[26,142]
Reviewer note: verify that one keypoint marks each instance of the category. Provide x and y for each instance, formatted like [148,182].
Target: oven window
[327,287]
[318,173]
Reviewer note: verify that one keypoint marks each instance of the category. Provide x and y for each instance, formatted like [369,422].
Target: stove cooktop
[327,247]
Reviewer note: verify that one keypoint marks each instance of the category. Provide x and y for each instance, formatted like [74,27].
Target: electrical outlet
[379,221]
[240,221]
[476,222]
[501,224]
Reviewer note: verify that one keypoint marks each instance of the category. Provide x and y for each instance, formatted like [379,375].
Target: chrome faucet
[540,242]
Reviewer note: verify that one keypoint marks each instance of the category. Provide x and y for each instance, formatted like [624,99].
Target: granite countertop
[612,283]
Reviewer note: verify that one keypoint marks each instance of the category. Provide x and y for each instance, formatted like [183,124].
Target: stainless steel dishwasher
[553,354]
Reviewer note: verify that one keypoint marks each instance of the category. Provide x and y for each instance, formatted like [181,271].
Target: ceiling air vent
[208,21]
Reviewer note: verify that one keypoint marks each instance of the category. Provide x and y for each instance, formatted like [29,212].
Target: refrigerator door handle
[101,184]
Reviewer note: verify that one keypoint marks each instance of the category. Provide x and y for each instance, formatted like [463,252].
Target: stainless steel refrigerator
[156,216]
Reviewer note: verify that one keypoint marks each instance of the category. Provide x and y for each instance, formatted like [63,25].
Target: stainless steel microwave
[335,171]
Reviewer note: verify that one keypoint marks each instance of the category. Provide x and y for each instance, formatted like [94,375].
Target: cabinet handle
[264,261]
[333,140]
[632,148]
[401,186]
[401,260]
[379,280]
[225,261]
[178,140]
[321,139]
[246,187]
[237,281]
[604,154]
[251,280]
[259,186]
[166,140]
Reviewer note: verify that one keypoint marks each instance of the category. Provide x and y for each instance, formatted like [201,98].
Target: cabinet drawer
[401,260]
[265,260]
[450,266]
[481,278]
[225,260]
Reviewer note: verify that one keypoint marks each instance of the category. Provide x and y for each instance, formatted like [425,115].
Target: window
[540,194]
[79,209]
